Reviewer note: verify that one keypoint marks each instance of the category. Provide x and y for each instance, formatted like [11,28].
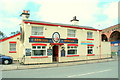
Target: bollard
[17,63]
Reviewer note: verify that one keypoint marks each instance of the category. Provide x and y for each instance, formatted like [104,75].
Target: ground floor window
[90,49]
[72,50]
[38,50]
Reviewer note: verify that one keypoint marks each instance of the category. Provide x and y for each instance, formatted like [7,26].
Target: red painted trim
[56,43]
[90,45]
[37,44]
[71,38]
[9,37]
[59,25]
[12,52]
[72,45]
[12,42]
[37,36]
[90,39]
[72,55]
[39,57]
[90,54]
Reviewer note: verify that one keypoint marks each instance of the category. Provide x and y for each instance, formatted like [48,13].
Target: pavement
[56,64]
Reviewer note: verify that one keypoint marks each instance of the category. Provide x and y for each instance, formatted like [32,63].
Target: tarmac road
[93,70]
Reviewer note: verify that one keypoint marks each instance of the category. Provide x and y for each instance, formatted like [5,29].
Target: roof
[116,25]
[60,24]
[10,37]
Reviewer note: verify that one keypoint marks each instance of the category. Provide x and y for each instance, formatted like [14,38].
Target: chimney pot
[25,14]
[74,21]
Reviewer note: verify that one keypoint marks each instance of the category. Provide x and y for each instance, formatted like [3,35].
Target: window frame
[33,49]
[89,48]
[11,47]
[40,31]
[89,36]
[72,48]
[69,33]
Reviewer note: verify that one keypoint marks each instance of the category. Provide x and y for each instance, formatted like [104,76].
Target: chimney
[25,14]
[74,21]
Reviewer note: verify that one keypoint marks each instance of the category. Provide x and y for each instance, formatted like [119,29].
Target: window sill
[90,54]
[39,57]
[12,42]
[71,38]
[72,55]
[90,45]
[12,52]
[37,36]
[89,39]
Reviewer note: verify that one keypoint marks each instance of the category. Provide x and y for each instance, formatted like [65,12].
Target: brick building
[112,34]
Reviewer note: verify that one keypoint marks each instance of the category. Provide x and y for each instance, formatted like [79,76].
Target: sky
[99,14]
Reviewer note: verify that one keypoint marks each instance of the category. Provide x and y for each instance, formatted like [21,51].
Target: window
[71,33]
[37,31]
[38,50]
[90,49]
[12,46]
[72,50]
[89,35]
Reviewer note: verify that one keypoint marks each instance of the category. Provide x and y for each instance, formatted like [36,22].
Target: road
[93,70]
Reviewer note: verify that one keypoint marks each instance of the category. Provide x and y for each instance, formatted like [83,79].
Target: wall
[105,49]
[5,47]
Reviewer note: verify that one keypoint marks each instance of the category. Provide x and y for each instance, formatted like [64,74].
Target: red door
[55,53]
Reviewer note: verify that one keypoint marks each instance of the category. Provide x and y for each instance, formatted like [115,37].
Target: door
[55,53]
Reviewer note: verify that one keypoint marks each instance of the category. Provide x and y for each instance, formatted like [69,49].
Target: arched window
[115,36]
[104,37]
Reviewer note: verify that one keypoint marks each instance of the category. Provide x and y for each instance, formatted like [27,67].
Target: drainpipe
[100,44]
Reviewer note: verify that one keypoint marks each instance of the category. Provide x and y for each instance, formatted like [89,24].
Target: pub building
[46,42]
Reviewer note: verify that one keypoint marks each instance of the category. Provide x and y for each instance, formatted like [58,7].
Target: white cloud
[62,11]
[9,25]
[12,6]
[87,12]
[111,10]
[10,14]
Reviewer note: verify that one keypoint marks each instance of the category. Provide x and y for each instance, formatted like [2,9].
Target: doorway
[55,53]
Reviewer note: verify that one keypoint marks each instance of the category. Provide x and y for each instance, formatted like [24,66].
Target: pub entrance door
[55,52]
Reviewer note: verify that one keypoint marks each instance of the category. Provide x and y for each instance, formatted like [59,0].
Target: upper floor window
[89,35]
[37,31]
[71,33]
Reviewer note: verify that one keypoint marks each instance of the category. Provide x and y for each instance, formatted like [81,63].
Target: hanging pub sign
[56,37]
